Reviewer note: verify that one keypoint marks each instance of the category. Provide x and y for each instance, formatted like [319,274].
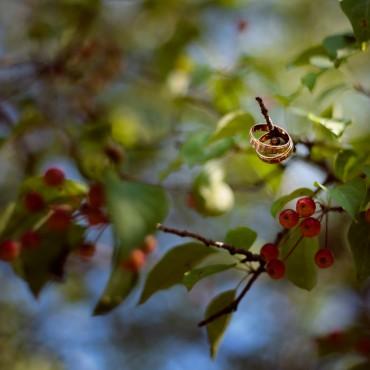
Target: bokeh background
[157,70]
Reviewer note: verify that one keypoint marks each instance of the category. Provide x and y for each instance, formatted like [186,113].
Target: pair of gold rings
[272,143]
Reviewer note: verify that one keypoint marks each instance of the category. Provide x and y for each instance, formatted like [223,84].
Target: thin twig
[233,306]
[265,113]
[249,256]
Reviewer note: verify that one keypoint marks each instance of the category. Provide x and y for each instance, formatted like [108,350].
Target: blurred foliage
[153,100]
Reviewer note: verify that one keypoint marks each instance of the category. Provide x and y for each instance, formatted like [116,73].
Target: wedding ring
[274,146]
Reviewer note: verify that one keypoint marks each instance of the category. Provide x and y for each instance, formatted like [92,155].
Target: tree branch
[233,306]
[249,256]
[265,113]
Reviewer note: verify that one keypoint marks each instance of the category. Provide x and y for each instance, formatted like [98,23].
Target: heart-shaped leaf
[216,328]
[171,268]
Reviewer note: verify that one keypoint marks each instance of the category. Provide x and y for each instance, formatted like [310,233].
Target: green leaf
[366,170]
[241,237]
[333,44]
[119,286]
[6,215]
[350,195]
[300,265]
[281,202]
[46,262]
[232,124]
[213,197]
[359,240]
[173,166]
[134,209]
[171,268]
[216,328]
[348,164]
[358,13]
[197,148]
[309,80]
[193,276]
[306,56]
[335,125]
[342,161]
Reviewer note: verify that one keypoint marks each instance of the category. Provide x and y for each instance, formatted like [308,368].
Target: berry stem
[293,248]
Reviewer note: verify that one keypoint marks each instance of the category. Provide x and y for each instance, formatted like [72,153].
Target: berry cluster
[137,258]
[309,228]
[305,208]
[59,216]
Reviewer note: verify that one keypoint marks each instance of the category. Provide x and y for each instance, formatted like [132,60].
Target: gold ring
[274,146]
[276,158]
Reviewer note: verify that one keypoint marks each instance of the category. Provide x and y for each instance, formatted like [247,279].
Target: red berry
[276,269]
[269,252]
[33,202]
[305,207]
[9,250]
[59,220]
[242,25]
[86,250]
[288,218]
[149,245]
[135,261]
[30,239]
[96,217]
[310,227]
[190,201]
[324,258]
[367,216]
[54,177]
[96,196]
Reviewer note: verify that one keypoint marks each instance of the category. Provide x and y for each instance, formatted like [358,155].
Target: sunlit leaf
[193,276]
[282,201]
[212,196]
[359,240]
[197,148]
[305,57]
[171,268]
[241,237]
[216,328]
[232,124]
[335,125]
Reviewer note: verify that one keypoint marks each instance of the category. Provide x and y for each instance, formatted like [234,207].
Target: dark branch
[265,113]
[249,256]
[233,306]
